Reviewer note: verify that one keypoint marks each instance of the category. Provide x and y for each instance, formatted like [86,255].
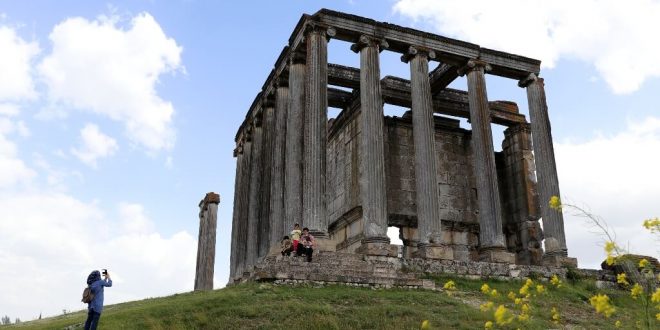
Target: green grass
[265,306]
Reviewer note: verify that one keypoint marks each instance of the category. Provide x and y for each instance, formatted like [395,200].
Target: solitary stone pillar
[491,235]
[256,178]
[546,171]
[372,180]
[277,213]
[264,206]
[316,134]
[429,227]
[242,209]
[208,220]
[294,143]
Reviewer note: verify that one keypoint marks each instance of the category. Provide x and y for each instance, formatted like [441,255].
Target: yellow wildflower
[609,247]
[540,289]
[555,315]
[523,317]
[485,289]
[503,315]
[652,224]
[449,287]
[636,291]
[655,297]
[657,316]
[525,308]
[610,260]
[643,263]
[617,324]
[486,306]
[555,203]
[511,295]
[621,279]
[602,304]
[529,282]
[493,293]
[425,325]
[518,301]
[555,281]
[488,325]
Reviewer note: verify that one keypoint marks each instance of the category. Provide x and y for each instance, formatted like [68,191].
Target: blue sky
[117,117]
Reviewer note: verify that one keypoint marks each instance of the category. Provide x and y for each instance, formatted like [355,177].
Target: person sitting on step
[307,244]
[287,247]
[295,237]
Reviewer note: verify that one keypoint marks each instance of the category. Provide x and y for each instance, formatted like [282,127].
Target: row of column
[283,167]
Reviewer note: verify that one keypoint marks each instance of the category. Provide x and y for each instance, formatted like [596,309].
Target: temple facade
[351,177]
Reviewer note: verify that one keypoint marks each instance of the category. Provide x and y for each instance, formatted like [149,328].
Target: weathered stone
[435,252]
[499,256]
[378,249]
[559,261]
[208,222]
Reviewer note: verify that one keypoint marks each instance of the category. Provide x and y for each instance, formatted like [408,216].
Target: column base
[378,249]
[497,255]
[559,261]
[441,252]
[325,244]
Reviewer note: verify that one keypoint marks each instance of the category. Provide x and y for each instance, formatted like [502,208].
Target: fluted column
[243,203]
[256,179]
[373,192]
[546,168]
[294,143]
[277,213]
[315,119]
[208,221]
[426,186]
[238,154]
[491,235]
[268,144]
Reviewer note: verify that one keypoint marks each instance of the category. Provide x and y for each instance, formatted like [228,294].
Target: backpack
[87,295]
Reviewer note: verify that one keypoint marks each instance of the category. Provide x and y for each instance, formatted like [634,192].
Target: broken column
[546,171]
[372,181]
[492,246]
[208,219]
[429,228]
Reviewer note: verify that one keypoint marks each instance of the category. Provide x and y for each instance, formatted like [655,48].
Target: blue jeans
[92,320]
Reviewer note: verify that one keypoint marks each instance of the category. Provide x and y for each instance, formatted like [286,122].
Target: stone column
[277,214]
[316,135]
[294,143]
[546,171]
[256,179]
[429,227]
[208,221]
[268,128]
[242,209]
[491,234]
[373,192]
[238,154]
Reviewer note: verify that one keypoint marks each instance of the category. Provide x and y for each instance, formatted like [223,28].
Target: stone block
[559,261]
[378,249]
[442,252]
[497,256]
[324,244]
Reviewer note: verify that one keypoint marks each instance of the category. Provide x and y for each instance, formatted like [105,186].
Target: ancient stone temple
[351,177]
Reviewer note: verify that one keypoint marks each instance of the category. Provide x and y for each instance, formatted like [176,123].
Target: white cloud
[58,240]
[95,145]
[614,36]
[101,67]
[12,169]
[616,177]
[133,219]
[15,64]
[9,109]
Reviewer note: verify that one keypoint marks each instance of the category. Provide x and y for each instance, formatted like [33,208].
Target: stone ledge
[378,249]
[442,252]
[497,256]
[559,261]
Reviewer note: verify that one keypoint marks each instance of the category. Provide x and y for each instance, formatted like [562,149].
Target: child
[308,244]
[295,237]
[286,246]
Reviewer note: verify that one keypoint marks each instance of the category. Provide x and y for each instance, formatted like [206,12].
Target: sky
[116,118]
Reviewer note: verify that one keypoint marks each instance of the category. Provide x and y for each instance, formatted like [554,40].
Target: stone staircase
[379,271]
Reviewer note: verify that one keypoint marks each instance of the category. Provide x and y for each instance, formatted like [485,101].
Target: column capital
[314,27]
[531,78]
[269,100]
[518,128]
[282,80]
[474,64]
[369,41]
[417,51]
[298,56]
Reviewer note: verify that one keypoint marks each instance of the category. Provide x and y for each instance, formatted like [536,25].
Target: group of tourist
[301,243]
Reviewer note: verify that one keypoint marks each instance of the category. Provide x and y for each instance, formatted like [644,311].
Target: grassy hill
[267,306]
